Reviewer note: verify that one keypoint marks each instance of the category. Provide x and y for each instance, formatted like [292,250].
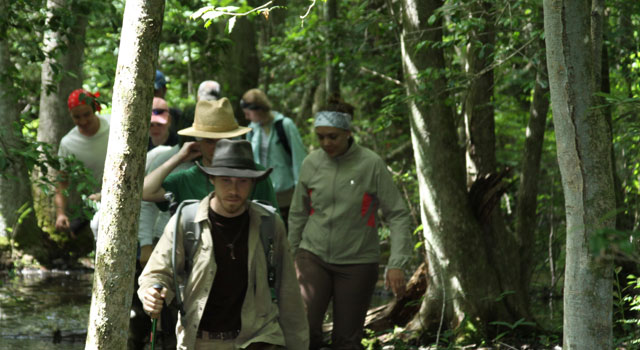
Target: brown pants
[350,286]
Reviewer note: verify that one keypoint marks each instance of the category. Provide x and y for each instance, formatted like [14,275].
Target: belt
[228,335]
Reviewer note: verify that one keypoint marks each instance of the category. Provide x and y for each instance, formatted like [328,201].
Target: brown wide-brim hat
[234,158]
[214,120]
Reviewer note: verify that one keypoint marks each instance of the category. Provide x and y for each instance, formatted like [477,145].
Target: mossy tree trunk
[573,33]
[61,74]
[124,169]
[15,192]
[526,207]
[465,271]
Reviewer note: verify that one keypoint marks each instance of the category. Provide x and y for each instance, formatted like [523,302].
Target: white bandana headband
[334,119]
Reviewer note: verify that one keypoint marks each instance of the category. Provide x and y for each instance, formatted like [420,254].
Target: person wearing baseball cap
[159,129]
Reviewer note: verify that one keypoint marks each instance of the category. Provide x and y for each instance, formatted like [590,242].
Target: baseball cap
[160,81]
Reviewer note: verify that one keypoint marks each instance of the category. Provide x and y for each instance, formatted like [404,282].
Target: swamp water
[50,310]
[44,310]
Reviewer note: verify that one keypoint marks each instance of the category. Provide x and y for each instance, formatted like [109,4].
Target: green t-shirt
[192,183]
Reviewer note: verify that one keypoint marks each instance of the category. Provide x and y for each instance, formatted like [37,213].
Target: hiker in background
[160,90]
[229,300]
[333,229]
[87,141]
[276,143]
[213,121]
[159,129]
[208,90]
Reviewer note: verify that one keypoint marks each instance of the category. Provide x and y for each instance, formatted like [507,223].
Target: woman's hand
[395,279]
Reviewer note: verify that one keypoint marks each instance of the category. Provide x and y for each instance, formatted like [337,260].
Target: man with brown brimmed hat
[213,121]
[228,301]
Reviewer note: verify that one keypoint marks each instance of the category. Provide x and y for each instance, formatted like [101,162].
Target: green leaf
[201,11]
[211,15]
[231,23]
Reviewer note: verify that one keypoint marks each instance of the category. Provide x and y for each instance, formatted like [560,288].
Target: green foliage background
[368,56]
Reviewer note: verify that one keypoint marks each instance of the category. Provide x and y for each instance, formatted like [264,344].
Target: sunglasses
[250,106]
[158,111]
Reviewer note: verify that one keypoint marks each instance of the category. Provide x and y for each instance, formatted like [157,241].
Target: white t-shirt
[91,150]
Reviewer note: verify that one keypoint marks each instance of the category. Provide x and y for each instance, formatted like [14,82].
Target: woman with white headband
[333,229]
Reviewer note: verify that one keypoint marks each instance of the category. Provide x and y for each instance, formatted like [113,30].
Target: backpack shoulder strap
[185,216]
[192,231]
[282,136]
[250,135]
[267,232]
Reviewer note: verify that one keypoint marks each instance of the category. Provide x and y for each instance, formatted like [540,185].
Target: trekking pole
[157,287]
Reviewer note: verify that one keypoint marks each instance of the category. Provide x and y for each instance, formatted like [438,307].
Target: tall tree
[459,260]
[62,68]
[332,73]
[15,193]
[479,115]
[526,207]
[124,169]
[573,32]
[64,44]
[241,63]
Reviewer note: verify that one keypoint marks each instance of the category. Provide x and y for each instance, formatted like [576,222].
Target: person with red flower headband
[87,141]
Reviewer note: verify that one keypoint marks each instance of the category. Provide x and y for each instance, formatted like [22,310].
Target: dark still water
[44,310]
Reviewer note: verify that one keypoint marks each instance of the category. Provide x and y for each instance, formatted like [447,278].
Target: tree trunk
[462,280]
[479,116]
[332,73]
[583,138]
[487,187]
[526,207]
[272,25]
[124,169]
[61,74]
[61,71]
[241,65]
[15,192]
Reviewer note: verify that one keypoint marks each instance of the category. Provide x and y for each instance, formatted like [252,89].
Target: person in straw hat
[228,302]
[213,121]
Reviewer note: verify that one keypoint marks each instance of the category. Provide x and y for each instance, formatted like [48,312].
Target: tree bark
[462,280]
[14,190]
[271,26]
[583,138]
[124,169]
[332,73]
[241,64]
[61,74]
[479,116]
[526,207]
[61,70]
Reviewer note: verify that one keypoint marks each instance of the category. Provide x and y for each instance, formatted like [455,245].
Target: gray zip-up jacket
[334,212]
[283,323]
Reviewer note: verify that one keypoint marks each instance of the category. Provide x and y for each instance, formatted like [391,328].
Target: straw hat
[214,120]
[234,158]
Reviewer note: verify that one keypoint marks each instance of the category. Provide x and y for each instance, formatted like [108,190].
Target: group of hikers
[244,238]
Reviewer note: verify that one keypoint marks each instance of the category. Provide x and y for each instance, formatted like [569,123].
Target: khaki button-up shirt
[283,323]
